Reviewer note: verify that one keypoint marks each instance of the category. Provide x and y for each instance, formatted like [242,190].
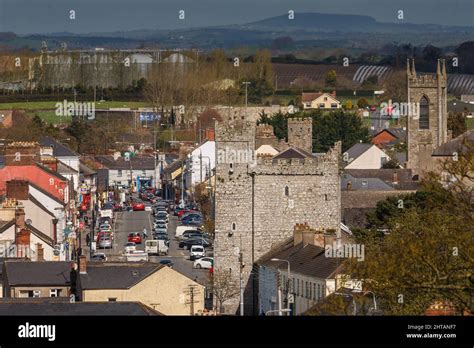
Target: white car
[148,208]
[130,247]
[204,262]
[196,252]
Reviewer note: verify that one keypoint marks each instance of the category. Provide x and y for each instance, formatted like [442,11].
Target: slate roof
[457,144]
[375,184]
[65,169]
[42,273]
[308,260]
[138,162]
[5,225]
[59,150]
[116,275]
[293,152]
[59,306]
[357,150]
[85,170]
[404,177]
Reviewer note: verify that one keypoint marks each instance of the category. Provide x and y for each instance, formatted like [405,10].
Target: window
[325,98]
[310,290]
[334,105]
[424,121]
[297,287]
[231,168]
[119,172]
[319,291]
[144,172]
[326,197]
[314,291]
[323,290]
[306,290]
[321,105]
[365,183]
[287,191]
[54,292]
[112,299]
[233,226]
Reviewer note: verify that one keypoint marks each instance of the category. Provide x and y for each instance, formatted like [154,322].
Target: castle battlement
[298,120]
[236,131]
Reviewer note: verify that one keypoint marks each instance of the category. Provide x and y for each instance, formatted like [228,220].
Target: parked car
[164,238]
[148,207]
[138,206]
[156,247]
[99,257]
[204,262]
[167,262]
[105,242]
[135,237]
[186,244]
[129,247]
[181,229]
[137,255]
[196,252]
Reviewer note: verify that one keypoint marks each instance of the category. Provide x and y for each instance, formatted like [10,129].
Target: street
[136,221]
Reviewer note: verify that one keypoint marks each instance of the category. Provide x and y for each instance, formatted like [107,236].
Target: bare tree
[224,287]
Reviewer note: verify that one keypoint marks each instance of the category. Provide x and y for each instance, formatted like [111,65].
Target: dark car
[186,244]
[167,262]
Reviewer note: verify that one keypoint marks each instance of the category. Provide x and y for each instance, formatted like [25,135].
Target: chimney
[82,265]
[17,189]
[39,252]
[20,218]
[22,153]
[395,177]
[302,233]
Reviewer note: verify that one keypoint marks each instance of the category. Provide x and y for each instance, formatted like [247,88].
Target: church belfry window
[424,122]
[287,191]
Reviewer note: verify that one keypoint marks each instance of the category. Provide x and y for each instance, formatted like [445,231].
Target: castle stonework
[300,133]
[259,203]
[427,124]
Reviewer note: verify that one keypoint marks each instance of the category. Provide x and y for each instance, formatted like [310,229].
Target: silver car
[105,242]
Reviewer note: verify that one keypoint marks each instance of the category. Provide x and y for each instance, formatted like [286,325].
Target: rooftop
[45,273]
[59,150]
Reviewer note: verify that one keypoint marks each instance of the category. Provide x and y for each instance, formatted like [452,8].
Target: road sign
[291,298]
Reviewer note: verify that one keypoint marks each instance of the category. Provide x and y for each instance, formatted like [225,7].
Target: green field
[51,105]
[470,123]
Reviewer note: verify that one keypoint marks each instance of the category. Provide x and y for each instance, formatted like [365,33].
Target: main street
[136,221]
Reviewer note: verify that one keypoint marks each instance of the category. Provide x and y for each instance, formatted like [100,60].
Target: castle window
[233,226]
[326,197]
[231,168]
[287,191]
[424,122]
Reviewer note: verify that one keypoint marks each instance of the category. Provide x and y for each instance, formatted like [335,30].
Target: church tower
[427,117]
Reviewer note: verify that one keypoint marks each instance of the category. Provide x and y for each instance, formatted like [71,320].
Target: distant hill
[306,29]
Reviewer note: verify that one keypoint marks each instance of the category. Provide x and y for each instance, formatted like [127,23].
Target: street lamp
[246,83]
[287,287]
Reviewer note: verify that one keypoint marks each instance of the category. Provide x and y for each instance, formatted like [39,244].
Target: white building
[200,164]
[364,156]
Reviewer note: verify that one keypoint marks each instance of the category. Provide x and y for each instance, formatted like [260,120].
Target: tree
[362,103]
[392,164]
[370,82]
[223,287]
[427,255]
[457,123]
[331,78]
[348,105]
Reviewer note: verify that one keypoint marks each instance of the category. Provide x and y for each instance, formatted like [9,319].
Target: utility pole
[246,83]
[192,292]
[241,285]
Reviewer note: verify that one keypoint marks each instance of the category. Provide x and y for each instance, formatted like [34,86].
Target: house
[69,159]
[314,274]
[138,170]
[362,189]
[64,307]
[364,156]
[200,163]
[36,279]
[266,150]
[154,285]
[320,101]
[19,238]
[389,136]
[452,149]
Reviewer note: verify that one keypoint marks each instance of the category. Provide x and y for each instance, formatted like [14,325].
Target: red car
[100,234]
[135,238]
[138,206]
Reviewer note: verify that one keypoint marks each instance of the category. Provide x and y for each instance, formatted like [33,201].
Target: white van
[156,247]
[181,229]
[196,252]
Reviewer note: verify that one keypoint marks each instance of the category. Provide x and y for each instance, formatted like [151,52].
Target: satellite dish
[28,221]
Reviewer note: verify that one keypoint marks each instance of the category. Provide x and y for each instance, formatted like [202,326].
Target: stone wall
[254,210]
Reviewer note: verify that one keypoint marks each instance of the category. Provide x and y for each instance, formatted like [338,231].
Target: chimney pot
[82,265]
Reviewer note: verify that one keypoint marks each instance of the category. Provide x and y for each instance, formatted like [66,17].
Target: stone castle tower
[427,120]
[260,200]
[300,133]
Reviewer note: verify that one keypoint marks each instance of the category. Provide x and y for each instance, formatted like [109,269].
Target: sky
[47,16]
